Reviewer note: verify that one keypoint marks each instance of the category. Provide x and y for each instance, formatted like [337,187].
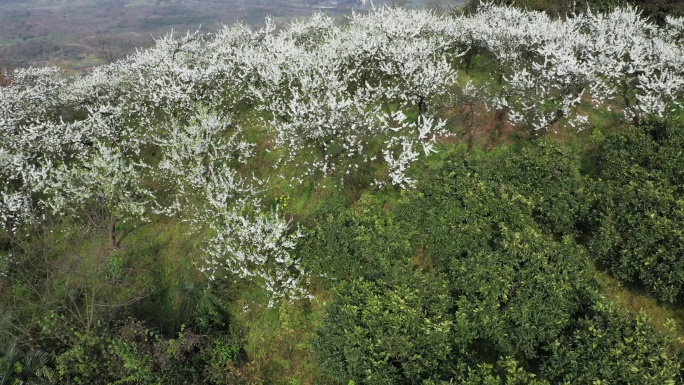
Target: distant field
[76,34]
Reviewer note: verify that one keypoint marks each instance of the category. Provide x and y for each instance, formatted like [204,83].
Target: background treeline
[656,10]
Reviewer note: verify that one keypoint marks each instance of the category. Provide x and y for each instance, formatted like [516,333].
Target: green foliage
[639,235]
[461,212]
[388,323]
[134,354]
[474,278]
[518,300]
[550,177]
[347,244]
[279,343]
[609,347]
[17,367]
[394,330]
[103,358]
[515,289]
[658,10]
[113,316]
[507,372]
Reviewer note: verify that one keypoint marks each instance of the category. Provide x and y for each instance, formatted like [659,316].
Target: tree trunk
[112,231]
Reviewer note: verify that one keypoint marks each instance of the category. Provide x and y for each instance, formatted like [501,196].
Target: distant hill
[76,35]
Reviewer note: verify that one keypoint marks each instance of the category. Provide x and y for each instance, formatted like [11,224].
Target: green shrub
[610,347]
[550,177]
[395,330]
[345,244]
[639,236]
[134,354]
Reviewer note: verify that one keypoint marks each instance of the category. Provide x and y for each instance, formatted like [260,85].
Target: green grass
[10,41]
[634,300]
[278,340]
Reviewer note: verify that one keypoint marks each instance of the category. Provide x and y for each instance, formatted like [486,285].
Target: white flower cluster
[329,91]
[547,67]
[257,247]
[104,176]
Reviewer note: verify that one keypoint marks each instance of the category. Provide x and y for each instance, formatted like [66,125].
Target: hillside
[402,198]
[75,35]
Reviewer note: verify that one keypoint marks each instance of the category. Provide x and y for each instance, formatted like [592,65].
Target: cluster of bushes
[639,236]
[483,273]
[127,350]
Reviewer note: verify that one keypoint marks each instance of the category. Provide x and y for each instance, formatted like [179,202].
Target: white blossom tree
[104,187]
